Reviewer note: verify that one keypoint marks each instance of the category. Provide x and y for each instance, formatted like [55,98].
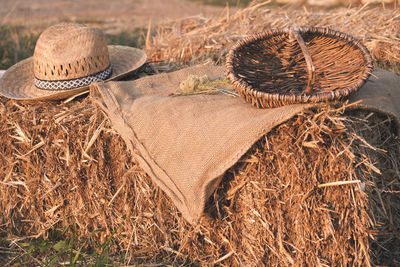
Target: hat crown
[69,51]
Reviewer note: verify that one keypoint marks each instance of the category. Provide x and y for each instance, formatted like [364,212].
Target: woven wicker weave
[298,65]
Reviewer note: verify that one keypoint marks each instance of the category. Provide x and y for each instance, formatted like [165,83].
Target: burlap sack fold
[186,143]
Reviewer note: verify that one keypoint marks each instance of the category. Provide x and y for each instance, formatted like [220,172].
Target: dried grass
[198,39]
[321,189]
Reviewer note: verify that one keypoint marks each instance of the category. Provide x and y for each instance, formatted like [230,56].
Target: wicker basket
[298,65]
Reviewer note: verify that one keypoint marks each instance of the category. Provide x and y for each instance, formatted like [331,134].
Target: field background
[118,14]
[130,22]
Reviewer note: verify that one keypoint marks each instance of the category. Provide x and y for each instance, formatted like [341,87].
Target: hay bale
[63,164]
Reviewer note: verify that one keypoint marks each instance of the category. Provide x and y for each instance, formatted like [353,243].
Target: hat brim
[18,81]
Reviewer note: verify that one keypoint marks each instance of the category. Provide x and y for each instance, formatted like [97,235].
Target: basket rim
[244,88]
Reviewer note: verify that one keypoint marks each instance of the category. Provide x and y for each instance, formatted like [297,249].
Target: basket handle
[310,66]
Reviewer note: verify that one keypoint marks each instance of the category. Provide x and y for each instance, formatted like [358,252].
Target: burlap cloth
[186,143]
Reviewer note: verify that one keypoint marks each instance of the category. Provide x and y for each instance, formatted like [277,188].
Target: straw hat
[68,57]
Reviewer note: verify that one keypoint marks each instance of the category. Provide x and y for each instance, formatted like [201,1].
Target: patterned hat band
[73,83]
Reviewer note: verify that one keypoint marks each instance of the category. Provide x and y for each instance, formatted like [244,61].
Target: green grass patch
[65,251]
[16,43]
[133,38]
[235,3]
[88,20]
[239,3]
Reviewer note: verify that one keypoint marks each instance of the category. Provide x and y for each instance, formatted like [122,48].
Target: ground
[116,14]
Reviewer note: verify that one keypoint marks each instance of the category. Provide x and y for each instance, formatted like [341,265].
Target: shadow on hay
[276,187]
